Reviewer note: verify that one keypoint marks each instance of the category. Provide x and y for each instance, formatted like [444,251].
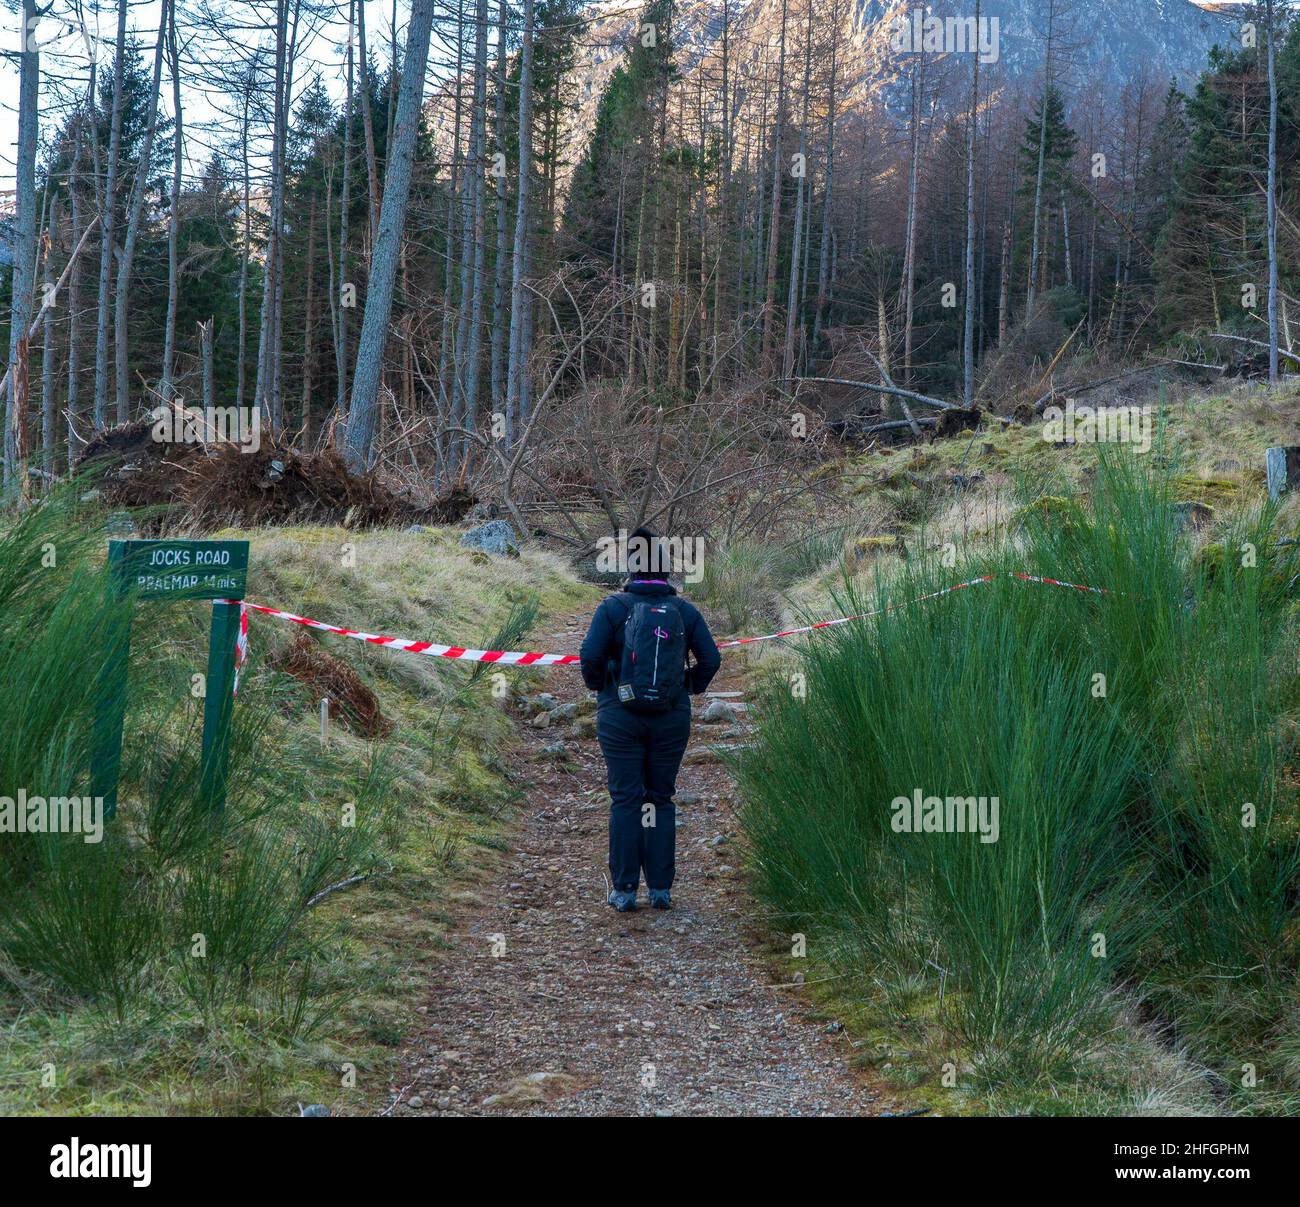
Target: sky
[66,52]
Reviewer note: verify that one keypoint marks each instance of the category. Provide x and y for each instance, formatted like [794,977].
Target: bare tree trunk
[74,298]
[517,365]
[24,257]
[108,205]
[270,263]
[882,331]
[166,387]
[397,187]
[497,354]
[796,250]
[909,254]
[1042,162]
[1065,239]
[277,329]
[447,383]
[209,368]
[48,349]
[368,123]
[246,253]
[828,202]
[309,328]
[135,209]
[968,333]
[1004,284]
[725,200]
[269,376]
[341,334]
[479,180]
[1272,202]
[774,210]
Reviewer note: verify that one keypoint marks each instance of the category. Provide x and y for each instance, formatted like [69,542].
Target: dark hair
[643,551]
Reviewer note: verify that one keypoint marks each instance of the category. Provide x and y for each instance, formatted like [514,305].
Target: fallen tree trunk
[1257,343]
[1188,364]
[894,424]
[885,389]
[1074,391]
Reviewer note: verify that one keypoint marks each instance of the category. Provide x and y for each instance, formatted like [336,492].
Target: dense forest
[416,251]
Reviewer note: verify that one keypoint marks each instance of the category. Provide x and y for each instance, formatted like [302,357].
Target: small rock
[496,537]
[717,840]
[688,798]
[718,712]
[542,702]
[555,750]
[416,1103]
[564,712]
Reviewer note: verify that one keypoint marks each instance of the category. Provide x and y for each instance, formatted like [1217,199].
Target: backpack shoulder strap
[629,600]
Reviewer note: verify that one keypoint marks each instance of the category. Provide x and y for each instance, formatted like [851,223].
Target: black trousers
[643,752]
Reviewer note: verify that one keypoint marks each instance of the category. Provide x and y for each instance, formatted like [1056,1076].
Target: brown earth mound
[327,677]
[219,485]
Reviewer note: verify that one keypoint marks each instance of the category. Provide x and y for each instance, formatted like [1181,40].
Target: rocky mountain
[1104,43]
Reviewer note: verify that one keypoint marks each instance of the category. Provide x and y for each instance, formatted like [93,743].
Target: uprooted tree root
[328,677]
[211,486]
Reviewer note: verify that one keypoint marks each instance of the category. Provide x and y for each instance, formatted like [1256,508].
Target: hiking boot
[623,900]
[660,899]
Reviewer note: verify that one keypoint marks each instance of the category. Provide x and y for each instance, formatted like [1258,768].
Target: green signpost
[174,570]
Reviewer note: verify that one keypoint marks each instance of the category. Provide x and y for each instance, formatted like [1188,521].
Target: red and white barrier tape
[429,648]
[241,646]
[826,624]
[1056,582]
[519,658]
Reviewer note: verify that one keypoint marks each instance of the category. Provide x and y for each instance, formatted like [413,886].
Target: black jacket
[602,648]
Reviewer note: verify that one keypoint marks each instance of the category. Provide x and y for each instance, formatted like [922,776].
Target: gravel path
[547,1002]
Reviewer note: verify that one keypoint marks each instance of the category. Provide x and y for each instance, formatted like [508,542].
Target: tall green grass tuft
[173,908]
[1139,747]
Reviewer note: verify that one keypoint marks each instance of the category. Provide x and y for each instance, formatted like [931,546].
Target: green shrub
[1123,735]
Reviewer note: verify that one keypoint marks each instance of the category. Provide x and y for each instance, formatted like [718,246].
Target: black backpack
[652,675]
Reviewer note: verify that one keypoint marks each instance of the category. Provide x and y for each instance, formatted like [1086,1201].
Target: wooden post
[1282,464]
[218,702]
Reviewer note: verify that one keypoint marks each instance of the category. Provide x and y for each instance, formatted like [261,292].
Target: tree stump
[1283,467]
